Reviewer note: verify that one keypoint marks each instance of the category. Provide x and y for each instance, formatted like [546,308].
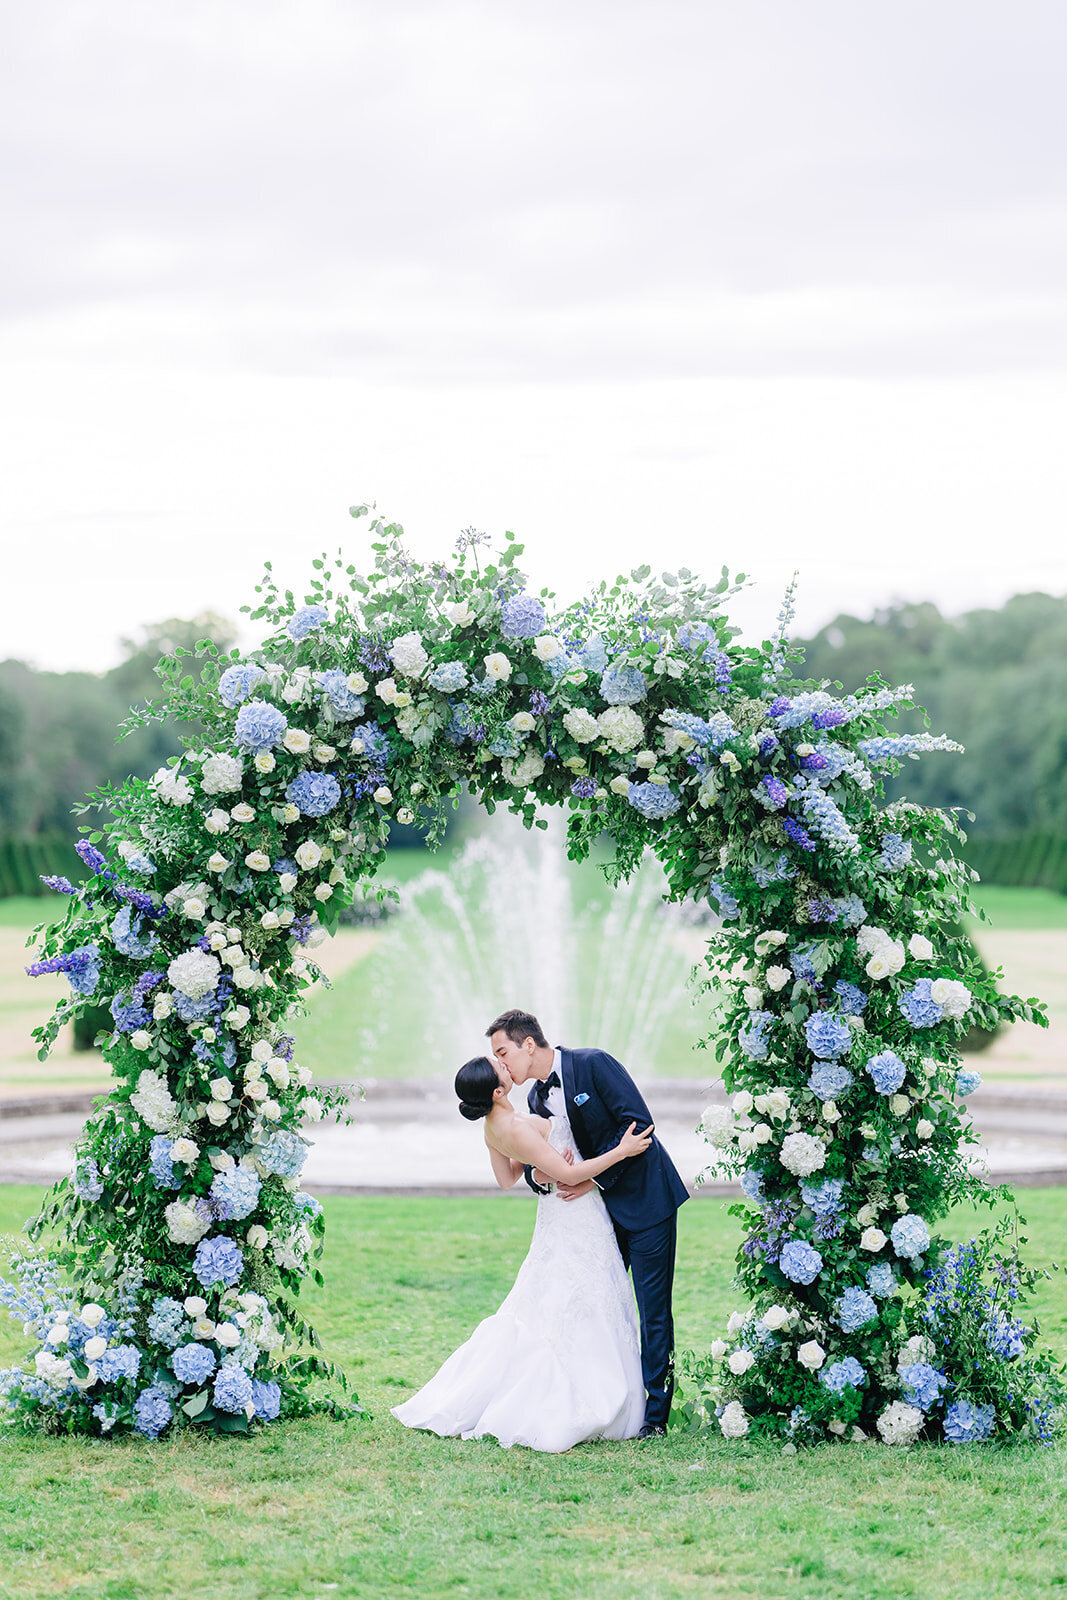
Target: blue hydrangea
[376,747]
[967,1081]
[238,681]
[307,1202]
[850,911]
[799,1261]
[910,1236]
[192,1363]
[695,637]
[267,1399]
[593,654]
[729,904]
[824,1198]
[316,793]
[622,686]
[829,1079]
[160,1164]
[217,1260]
[844,1374]
[888,1071]
[232,1388]
[968,1424]
[522,617]
[234,1194]
[284,1154]
[653,800]
[127,1017]
[118,1361]
[752,1185]
[260,725]
[140,863]
[752,1038]
[305,621]
[828,1037]
[802,966]
[917,1006]
[556,666]
[151,1412]
[450,677]
[166,1321]
[854,1310]
[853,1000]
[686,722]
[896,852]
[921,1385]
[187,1010]
[88,1184]
[881,1280]
[83,972]
[343,700]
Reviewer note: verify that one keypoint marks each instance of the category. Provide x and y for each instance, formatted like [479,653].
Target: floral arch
[846,985]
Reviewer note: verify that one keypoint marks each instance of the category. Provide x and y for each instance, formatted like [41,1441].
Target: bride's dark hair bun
[476,1083]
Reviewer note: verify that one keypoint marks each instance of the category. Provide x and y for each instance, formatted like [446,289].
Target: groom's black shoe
[652,1430]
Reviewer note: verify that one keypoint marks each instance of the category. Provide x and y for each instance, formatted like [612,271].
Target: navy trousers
[649,1254]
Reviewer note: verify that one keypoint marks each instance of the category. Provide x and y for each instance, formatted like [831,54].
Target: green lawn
[369,1509]
[1011,909]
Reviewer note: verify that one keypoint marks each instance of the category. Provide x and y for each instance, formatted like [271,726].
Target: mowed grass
[367,1508]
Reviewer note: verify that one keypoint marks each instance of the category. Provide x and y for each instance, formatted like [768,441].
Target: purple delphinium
[583,788]
[59,885]
[798,835]
[776,792]
[91,856]
[539,703]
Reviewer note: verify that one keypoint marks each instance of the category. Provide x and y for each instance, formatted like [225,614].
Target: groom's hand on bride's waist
[574,1191]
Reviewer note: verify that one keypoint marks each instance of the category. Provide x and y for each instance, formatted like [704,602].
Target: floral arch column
[173,1299]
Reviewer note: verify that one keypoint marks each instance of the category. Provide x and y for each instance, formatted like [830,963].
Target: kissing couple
[567,1357]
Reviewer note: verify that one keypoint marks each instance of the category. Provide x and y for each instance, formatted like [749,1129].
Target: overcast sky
[772,284]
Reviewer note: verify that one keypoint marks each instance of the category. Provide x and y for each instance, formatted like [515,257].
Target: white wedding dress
[560,1361]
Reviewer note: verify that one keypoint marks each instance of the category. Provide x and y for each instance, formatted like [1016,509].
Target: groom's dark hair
[518,1025]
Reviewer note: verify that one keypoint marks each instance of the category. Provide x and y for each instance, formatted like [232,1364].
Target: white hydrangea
[56,1371]
[222,774]
[900,1423]
[581,725]
[733,1422]
[153,1103]
[171,787]
[802,1154]
[183,1224]
[621,728]
[291,1252]
[717,1125]
[917,1348]
[522,771]
[194,973]
[408,656]
[953,997]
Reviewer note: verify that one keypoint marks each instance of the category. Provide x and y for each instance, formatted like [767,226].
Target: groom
[642,1195]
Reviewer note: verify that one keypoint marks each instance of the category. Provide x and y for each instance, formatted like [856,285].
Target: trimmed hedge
[24,861]
[1033,860]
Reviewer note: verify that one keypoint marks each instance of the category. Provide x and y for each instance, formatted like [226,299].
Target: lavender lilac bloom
[91,856]
[58,885]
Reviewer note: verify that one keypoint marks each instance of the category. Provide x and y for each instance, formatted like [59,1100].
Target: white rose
[730,761]
[221,1088]
[733,1422]
[497,667]
[405,817]
[269,920]
[194,1305]
[308,855]
[243,812]
[203,1328]
[94,1348]
[383,795]
[775,1317]
[227,1334]
[59,1334]
[258,861]
[221,1160]
[278,1071]
[271,1110]
[920,947]
[742,1102]
[184,1225]
[221,774]
[141,1040]
[924,1129]
[244,977]
[953,997]
[872,1239]
[775,1103]
[217,1113]
[899,1105]
[323,752]
[778,977]
[769,940]
[312,1109]
[459,613]
[386,691]
[216,821]
[217,862]
[866,1215]
[763,1133]
[740,1361]
[257,1236]
[357,682]
[323,891]
[830,1112]
[287,882]
[184,1150]
[752,997]
[645,759]
[92,1314]
[719,1348]
[255,1090]
[194,908]
[736,1322]
[297,741]
[162,1006]
[811,1355]
[620,785]
[169,786]
[264,761]
[238,1018]
[836,1427]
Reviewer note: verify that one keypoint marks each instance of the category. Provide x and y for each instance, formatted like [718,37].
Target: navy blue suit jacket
[602,1100]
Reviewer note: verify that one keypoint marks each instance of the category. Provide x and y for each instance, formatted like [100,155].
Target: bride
[560,1361]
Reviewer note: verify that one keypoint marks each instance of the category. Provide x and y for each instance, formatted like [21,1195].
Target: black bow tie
[545,1084]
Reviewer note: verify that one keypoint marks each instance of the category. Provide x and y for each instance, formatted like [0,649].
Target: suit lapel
[570,1089]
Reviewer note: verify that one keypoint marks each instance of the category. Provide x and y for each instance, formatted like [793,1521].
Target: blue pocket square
[580,1099]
